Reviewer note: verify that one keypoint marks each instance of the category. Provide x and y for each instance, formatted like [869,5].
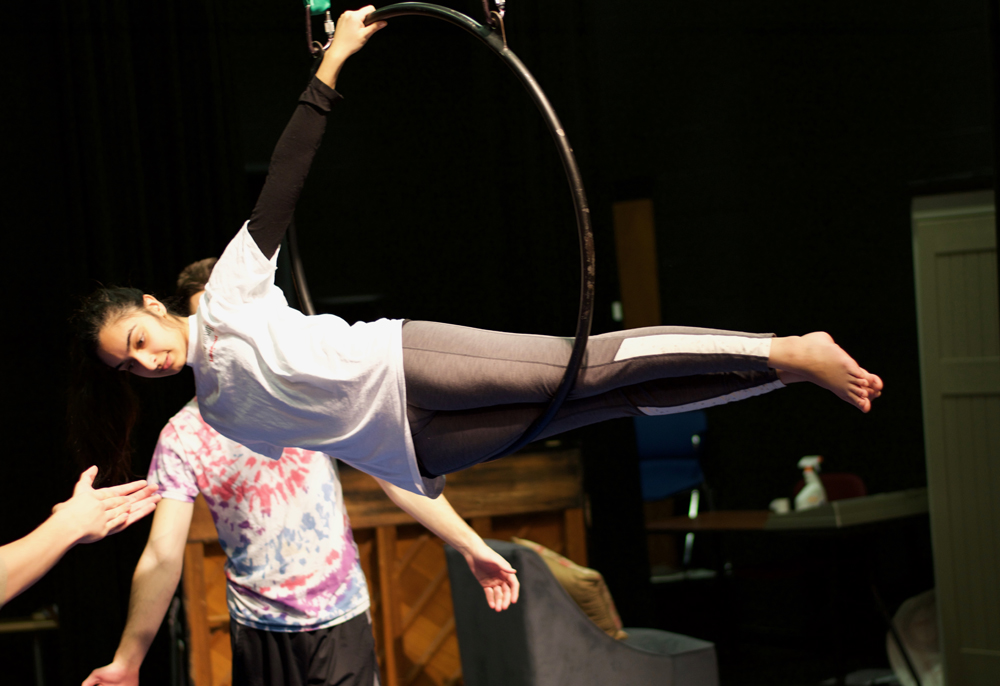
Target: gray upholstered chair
[547,640]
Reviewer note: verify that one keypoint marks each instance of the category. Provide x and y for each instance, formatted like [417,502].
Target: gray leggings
[471,393]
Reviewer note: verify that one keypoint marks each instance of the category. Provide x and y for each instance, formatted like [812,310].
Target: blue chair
[669,448]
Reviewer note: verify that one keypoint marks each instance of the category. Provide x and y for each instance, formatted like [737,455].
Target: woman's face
[146,342]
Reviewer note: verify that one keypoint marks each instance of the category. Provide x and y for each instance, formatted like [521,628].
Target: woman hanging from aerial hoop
[406,401]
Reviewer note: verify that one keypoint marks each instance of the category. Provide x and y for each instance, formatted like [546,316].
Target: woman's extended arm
[494,573]
[297,146]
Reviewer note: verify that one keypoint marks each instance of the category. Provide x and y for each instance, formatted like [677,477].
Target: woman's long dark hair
[103,407]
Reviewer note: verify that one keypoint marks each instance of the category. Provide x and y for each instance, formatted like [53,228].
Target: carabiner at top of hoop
[318,7]
[494,17]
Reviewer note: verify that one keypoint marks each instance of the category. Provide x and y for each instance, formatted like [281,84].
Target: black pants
[342,655]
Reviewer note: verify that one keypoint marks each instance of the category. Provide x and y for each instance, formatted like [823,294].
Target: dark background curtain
[780,141]
[123,161]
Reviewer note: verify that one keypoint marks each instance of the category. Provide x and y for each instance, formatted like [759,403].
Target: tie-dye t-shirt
[292,562]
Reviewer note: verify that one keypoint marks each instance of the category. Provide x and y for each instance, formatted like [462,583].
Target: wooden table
[836,517]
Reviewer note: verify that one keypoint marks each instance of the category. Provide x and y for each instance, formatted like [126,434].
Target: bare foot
[875,385]
[874,382]
[816,358]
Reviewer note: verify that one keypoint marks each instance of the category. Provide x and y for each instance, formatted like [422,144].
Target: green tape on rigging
[317,6]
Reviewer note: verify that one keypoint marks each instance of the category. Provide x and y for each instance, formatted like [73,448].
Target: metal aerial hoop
[494,37]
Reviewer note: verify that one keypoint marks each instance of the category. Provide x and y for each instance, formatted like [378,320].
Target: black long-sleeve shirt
[290,163]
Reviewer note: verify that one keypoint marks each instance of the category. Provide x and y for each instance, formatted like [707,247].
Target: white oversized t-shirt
[268,376]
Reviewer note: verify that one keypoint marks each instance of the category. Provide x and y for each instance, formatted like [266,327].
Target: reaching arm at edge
[26,560]
[498,578]
[153,585]
[88,516]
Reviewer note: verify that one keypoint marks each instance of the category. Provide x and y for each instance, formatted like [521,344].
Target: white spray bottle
[812,494]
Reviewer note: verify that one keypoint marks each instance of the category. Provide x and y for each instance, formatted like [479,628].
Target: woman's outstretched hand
[350,35]
[104,511]
[497,577]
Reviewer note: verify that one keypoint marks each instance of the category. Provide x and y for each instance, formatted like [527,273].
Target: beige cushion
[585,586]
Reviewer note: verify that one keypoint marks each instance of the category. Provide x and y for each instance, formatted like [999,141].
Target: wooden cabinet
[538,496]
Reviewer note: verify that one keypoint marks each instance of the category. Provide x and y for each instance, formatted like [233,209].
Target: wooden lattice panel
[214,566]
[365,540]
[547,528]
[215,585]
[222,657]
[426,618]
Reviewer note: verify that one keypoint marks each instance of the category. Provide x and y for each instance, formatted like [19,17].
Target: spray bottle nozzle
[811,462]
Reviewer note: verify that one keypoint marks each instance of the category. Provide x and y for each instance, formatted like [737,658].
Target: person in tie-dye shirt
[293,579]
[291,561]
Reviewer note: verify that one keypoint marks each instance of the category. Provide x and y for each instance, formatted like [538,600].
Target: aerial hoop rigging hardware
[494,37]
[316,7]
